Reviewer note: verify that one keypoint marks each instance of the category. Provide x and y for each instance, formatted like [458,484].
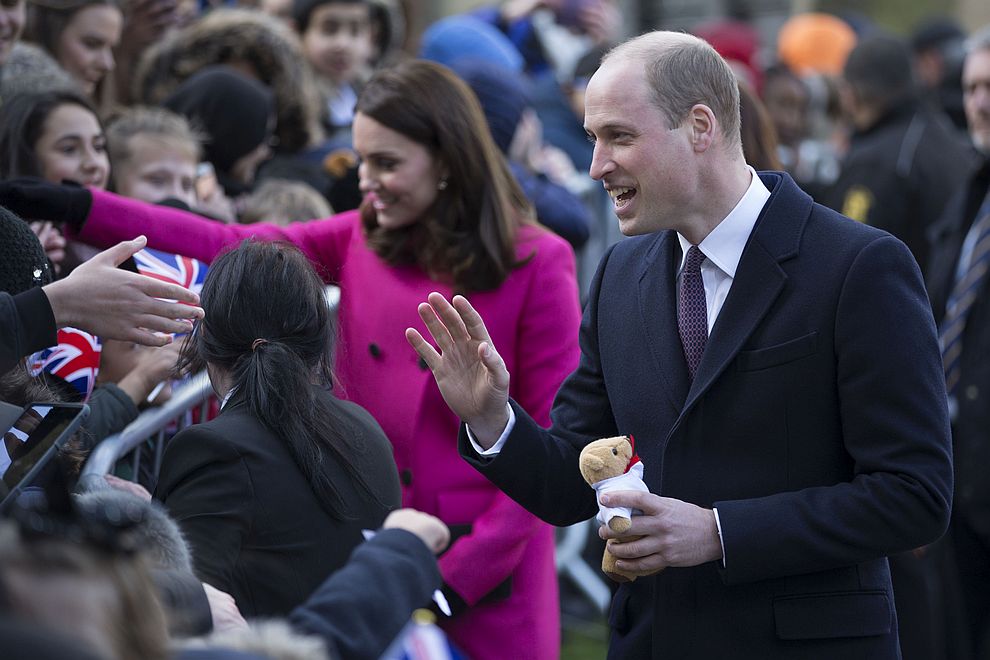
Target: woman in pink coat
[440,213]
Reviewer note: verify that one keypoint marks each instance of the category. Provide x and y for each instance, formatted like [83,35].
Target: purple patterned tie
[692,311]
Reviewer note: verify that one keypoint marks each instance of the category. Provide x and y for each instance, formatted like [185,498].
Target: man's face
[646,166]
[976,97]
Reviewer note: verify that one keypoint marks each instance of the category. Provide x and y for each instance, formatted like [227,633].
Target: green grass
[582,639]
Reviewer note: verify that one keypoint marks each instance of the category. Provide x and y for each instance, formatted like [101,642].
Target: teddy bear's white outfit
[632,479]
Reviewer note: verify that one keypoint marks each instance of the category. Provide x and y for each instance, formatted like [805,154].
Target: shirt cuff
[718,528]
[497,447]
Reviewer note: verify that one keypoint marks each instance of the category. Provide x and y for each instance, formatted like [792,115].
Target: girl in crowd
[80,35]
[274,493]
[55,135]
[441,212]
[155,153]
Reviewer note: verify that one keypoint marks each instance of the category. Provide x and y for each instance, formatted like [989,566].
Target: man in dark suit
[957,283]
[776,362]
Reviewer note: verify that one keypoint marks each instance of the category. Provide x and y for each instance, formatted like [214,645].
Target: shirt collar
[226,397]
[724,245]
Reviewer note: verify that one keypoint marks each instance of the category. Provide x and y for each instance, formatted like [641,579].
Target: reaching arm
[102,218]
[363,606]
[113,218]
[100,298]
[113,303]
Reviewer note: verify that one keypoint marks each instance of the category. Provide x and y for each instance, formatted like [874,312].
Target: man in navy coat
[776,362]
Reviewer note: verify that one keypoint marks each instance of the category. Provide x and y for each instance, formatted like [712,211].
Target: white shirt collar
[724,245]
[226,397]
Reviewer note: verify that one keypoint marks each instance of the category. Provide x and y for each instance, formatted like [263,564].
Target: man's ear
[703,125]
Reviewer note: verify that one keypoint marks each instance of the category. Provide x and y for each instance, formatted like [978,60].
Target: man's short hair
[879,70]
[683,70]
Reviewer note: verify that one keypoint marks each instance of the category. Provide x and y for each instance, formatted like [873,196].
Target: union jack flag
[75,359]
[172,268]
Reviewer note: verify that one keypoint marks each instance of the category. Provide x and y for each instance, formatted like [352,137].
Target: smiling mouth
[380,202]
[620,196]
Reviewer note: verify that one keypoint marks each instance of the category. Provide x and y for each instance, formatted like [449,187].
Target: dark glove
[36,199]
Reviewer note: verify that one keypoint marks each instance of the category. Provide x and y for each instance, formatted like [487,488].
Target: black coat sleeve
[362,607]
[26,325]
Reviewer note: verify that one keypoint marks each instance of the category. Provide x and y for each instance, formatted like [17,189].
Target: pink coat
[533,320]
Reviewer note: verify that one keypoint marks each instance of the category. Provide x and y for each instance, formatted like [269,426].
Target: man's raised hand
[469,371]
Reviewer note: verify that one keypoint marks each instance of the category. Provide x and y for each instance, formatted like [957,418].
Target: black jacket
[971,428]
[26,325]
[254,523]
[899,174]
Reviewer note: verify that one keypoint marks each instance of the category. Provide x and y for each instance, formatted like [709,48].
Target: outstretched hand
[469,371]
[673,533]
[102,299]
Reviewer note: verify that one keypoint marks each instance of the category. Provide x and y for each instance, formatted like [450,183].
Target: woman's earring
[442,185]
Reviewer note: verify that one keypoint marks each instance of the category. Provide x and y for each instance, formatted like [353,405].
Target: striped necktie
[964,293]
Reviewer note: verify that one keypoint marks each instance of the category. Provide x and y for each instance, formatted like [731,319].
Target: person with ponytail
[273,494]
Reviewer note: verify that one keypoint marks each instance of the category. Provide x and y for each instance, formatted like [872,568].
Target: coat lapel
[658,309]
[759,280]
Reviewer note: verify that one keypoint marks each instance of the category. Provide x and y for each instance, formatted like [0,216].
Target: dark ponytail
[268,326]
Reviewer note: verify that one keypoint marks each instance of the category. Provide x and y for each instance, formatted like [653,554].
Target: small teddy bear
[611,464]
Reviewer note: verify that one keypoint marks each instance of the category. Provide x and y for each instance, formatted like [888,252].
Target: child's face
[72,146]
[158,170]
[337,42]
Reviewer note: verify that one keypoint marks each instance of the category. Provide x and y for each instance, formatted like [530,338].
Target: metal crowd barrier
[151,424]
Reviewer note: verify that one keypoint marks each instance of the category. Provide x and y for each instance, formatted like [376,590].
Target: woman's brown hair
[759,138]
[468,235]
